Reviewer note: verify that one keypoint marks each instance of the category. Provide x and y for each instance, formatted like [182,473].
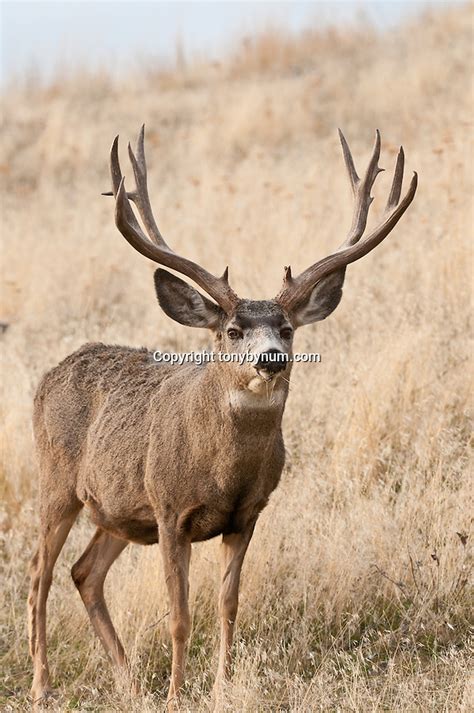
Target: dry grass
[356,588]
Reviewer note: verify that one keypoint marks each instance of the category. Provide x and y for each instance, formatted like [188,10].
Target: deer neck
[248,401]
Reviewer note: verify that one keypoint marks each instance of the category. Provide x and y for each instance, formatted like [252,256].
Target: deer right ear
[183,303]
[322,300]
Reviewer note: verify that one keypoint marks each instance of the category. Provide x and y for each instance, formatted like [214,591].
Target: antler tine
[141,197]
[296,289]
[116,173]
[115,170]
[360,189]
[118,181]
[349,161]
[396,188]
[373,168]
[217,287]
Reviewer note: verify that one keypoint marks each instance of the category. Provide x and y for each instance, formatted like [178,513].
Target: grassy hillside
[357,585]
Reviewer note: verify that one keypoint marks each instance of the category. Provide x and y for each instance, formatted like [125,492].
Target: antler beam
[154,246]
[296,289]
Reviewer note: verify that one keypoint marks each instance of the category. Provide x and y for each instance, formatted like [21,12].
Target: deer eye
[234,334]
[286,333]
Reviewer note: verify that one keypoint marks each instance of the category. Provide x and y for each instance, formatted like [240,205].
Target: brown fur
[146,448]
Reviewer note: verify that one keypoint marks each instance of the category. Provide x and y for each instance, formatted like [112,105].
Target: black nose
[273,360]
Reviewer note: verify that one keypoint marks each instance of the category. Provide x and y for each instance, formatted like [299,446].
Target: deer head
[264,328]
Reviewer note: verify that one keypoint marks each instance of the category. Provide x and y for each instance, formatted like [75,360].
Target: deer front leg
[233,551]
[52,539]
[176,553]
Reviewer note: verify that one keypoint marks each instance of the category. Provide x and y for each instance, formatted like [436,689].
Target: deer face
[257,327]
[261,330]
[258,331]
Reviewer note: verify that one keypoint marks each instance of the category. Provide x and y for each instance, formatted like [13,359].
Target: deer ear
[323,300]
[183,303]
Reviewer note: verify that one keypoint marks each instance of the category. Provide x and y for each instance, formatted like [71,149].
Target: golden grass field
[357,586]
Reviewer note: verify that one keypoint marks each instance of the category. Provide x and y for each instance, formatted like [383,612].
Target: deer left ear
[323,300]
[183,303]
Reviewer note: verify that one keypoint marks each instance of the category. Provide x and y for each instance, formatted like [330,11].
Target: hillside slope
[356,588]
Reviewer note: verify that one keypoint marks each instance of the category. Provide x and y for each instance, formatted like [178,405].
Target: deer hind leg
[89,573]
[176,554]
[51,542]
[233,549]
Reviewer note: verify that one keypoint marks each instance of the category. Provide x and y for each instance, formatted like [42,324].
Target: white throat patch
[258,395]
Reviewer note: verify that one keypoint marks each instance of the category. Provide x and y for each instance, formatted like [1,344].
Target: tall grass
[357,589]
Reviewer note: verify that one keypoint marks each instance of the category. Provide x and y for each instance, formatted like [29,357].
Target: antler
[155,247]
[296,289]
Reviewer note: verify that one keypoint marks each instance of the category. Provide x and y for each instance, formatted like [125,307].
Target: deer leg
[51,542]
[233,549]
[176,553]
[89,573]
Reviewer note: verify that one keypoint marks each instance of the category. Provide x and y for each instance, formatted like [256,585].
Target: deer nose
[272,360]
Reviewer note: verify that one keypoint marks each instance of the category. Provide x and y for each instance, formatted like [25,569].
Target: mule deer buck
[176,454]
